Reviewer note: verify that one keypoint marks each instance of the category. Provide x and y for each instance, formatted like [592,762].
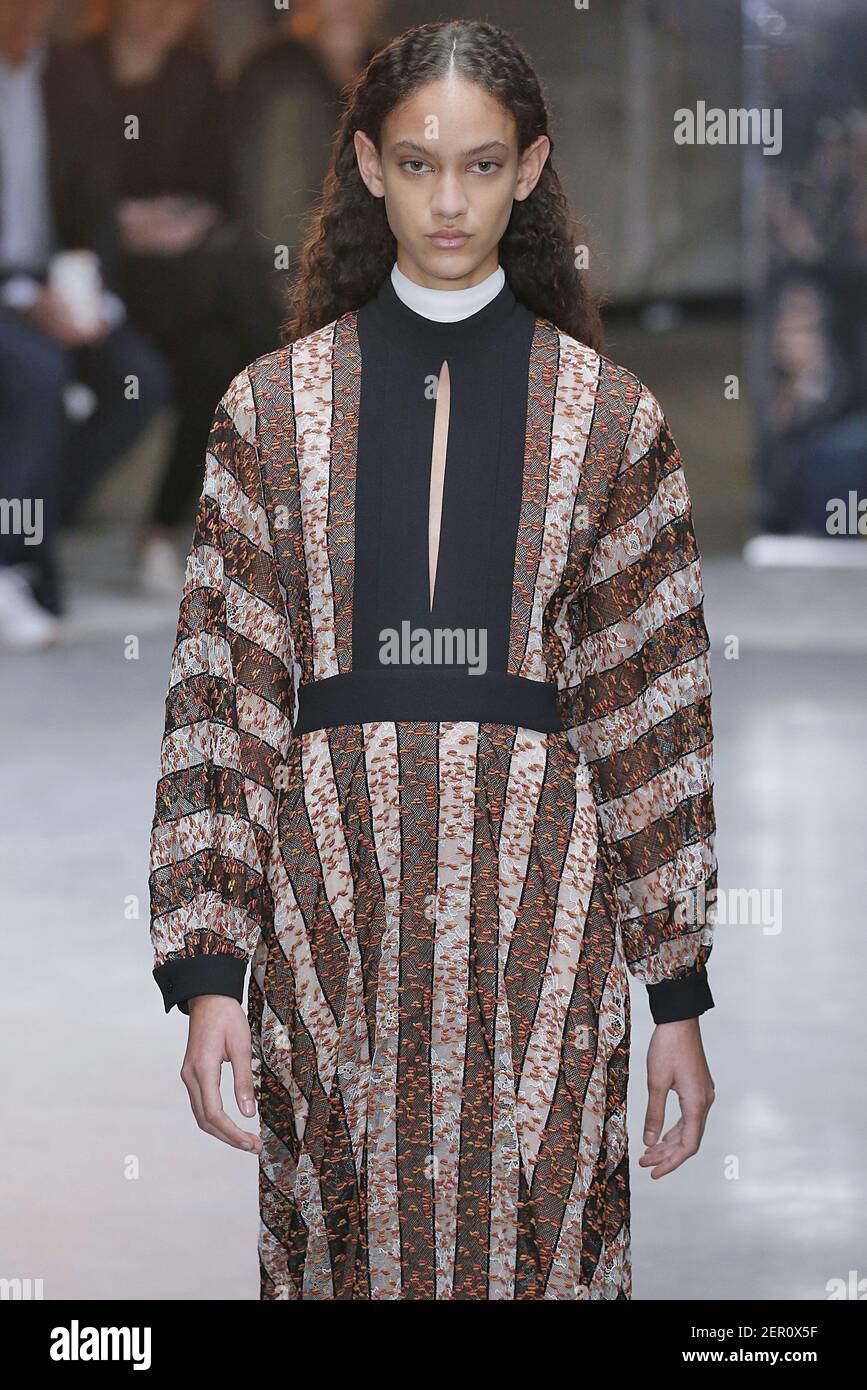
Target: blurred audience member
[180,274]
[288,99]
[68,360]
[814,305]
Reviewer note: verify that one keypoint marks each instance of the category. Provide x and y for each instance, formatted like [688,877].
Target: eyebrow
[477,149]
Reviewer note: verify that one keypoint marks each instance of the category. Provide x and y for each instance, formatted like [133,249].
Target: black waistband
[435,695]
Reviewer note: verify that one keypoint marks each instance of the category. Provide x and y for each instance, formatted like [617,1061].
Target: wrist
[199,1002]
[686,1025]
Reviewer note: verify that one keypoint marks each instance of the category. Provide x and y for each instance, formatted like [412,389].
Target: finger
[194,1093]
[678,1156]
[693,1110]
[654,1152]
[654,1117]
[242,1073]
[216,1121]
[672,1136]
[244,1089]
[683,1145]
[197,1104]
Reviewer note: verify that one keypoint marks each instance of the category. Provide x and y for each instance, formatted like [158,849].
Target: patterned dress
[440,876]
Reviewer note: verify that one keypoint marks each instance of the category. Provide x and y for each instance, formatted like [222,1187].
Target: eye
[491,162]
[414,172]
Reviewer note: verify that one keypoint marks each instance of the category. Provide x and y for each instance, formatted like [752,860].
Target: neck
[132,60]
[446,306]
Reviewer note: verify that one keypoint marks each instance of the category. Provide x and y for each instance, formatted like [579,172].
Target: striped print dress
[439,880]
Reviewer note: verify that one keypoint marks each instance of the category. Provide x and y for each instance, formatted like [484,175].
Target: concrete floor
[107,1187]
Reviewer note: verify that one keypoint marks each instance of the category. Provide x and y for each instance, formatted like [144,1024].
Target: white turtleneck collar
[447,306]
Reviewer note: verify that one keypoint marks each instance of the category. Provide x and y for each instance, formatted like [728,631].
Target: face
[24,23]
[449,164]
[342,11]
[158,22]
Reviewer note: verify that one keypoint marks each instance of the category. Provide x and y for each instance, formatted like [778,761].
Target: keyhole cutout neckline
[420,337]
[439,455]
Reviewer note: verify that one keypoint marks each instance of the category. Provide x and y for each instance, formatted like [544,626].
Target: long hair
[350,248]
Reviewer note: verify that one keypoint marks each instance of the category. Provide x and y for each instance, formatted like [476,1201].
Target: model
[437,756]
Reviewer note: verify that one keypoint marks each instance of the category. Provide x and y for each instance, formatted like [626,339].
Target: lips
[446,239]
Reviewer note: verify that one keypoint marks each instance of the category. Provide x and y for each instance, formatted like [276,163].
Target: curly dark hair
[350,248]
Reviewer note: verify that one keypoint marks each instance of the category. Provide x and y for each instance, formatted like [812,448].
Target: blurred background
[158,160]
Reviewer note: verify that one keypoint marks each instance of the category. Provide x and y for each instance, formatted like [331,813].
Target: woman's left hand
[675,1062]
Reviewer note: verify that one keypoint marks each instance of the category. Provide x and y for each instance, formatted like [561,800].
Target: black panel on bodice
[402,353]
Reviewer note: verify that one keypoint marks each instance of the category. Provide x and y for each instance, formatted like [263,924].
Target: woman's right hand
[219,1032]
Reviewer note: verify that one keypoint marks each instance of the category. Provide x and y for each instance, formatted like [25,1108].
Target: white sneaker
[24,622]
[160,570]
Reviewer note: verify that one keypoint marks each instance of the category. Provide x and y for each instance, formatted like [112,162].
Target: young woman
[437,754]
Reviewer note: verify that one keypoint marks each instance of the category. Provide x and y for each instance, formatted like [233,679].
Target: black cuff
[686,997]
[184,978]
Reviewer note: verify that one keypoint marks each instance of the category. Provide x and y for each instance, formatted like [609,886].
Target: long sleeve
[228,727]
[638,698]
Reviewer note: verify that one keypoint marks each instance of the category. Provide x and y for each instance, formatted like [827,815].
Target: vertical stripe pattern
[441,918]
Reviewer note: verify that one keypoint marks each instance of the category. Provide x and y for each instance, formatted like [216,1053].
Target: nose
[449,201]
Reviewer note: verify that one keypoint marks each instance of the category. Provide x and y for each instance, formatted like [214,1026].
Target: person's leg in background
[34,371]
[205,367]
[131,383]
[185,305]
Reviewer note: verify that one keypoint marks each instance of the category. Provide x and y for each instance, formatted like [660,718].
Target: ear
[530,166]
[369,163]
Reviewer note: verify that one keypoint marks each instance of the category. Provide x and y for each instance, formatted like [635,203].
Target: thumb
[242,1073]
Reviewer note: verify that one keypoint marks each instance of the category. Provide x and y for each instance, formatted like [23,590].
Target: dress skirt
[440,1019]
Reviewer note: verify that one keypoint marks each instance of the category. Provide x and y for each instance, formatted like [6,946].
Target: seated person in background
[58,324]
[181,277]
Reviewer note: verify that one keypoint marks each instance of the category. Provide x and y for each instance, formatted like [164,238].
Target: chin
[462,260]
